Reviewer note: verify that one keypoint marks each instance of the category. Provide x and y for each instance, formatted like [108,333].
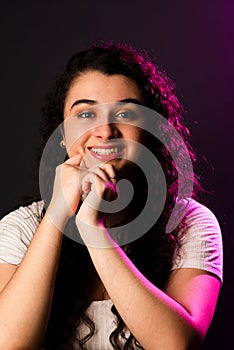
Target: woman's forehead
[102,88]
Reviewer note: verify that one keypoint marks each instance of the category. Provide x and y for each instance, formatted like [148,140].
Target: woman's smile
[106,152]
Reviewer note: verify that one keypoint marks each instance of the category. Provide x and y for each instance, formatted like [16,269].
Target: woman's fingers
[66,190]
[98,186]
[110,171]
[99,178]
[75,160]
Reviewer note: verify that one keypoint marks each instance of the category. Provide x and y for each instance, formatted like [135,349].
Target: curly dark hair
[153,252]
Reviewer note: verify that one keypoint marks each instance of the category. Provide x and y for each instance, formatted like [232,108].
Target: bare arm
[26,291]
[25,299]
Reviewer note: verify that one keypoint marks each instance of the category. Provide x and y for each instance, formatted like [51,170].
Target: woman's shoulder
[22,222]
[198,215]
[200,240]
[33,210]
[16,231]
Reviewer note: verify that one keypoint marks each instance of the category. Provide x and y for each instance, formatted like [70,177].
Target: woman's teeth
[106,151]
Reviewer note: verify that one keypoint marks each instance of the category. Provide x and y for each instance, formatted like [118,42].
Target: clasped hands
[75,183]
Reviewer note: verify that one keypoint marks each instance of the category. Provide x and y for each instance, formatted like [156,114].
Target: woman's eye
[85,115]
[127,115]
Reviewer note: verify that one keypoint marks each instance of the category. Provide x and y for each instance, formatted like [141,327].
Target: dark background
[191,40]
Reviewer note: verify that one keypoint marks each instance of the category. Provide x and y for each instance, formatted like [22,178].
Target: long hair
[153,252]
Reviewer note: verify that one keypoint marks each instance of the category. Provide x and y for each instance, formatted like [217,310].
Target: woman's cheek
[75,134]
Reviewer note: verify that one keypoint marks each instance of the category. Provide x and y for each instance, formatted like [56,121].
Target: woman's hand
[97,186]
[66,191]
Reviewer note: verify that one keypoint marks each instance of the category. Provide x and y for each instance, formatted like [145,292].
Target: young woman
[118,286]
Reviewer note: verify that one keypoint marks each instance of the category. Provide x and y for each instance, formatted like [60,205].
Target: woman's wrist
[58,216]
[95,236]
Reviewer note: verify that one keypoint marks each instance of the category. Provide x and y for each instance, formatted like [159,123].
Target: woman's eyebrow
[131,100]
[86,101]
[92,102]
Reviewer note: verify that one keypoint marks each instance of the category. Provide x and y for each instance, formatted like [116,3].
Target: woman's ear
[62,143]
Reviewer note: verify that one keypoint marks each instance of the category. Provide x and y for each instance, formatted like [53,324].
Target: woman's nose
[106,131]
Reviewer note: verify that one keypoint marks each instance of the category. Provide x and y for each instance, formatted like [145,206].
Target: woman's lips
[106,152]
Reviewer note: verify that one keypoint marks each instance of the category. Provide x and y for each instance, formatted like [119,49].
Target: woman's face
[102,119]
